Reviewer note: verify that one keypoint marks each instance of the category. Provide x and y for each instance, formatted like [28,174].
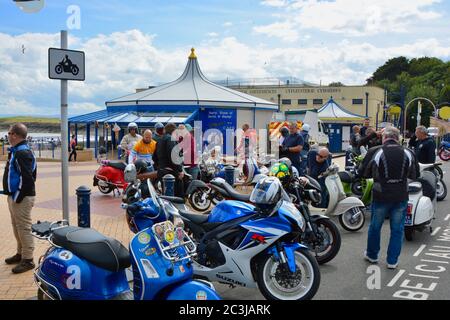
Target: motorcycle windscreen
[193,290]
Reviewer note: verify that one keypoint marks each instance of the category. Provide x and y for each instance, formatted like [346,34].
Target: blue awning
[124,118]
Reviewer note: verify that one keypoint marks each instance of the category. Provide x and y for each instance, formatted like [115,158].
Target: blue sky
[132,44]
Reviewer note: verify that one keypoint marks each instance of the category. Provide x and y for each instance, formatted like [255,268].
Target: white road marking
[424,260]
[435,231]
[395,279]
[423,276]
[447,217]
[418,252]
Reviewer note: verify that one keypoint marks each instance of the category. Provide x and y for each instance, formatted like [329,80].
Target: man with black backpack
[390,165]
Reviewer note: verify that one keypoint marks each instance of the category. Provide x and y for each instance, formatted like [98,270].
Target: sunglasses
[10,133]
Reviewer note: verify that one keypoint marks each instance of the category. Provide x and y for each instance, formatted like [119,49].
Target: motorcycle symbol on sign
[67,66]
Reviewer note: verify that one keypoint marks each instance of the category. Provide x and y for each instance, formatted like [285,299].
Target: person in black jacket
[390,165]
[167,158]
[19,184]
[425,147]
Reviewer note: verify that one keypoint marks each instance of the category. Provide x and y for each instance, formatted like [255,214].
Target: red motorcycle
[110,176]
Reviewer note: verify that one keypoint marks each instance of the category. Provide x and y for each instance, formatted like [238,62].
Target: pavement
[424,270]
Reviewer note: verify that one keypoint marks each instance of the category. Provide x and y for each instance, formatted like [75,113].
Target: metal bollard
[229,175]
[119,152]
[84,206]
[169,185]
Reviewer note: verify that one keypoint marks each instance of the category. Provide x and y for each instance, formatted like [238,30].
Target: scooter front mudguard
[193,290]
[346,204]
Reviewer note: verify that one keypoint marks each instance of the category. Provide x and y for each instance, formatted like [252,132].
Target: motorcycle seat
[117,165]
[345,176]
[197,218]
[91,245]
[228,191]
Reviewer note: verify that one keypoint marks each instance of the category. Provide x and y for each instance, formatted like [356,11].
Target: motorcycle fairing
[229,210]
[193,290]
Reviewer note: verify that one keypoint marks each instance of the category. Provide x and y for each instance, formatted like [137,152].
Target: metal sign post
[65,65]
[64,138]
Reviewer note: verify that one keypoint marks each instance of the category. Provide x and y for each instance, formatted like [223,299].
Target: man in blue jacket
[19,184]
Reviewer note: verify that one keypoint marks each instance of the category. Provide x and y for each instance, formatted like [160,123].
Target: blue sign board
[220,119]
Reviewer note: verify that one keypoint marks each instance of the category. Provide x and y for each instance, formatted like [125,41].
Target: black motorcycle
[67,67]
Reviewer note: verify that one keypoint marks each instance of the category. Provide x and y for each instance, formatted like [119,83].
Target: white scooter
[349,209]
[422,202]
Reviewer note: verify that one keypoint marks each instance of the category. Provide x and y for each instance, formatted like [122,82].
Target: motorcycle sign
[66,64]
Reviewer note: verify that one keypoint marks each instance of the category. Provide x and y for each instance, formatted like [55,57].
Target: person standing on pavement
[390,165]
[159,132]
[365,126]
[293,145]
[19,184]
[425,146]
[73,148]
[304,153]
[190,156]
[168,160]
[354,139]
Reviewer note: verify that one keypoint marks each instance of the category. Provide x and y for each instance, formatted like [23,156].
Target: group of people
[164,152]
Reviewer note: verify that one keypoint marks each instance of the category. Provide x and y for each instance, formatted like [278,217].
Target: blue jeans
[397,213]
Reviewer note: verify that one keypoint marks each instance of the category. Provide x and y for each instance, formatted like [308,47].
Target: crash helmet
[267,193]
[281,171]
[306,127]
[141,166]
[132,125]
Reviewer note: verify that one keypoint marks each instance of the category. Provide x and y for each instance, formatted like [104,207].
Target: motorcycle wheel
[58,69]
[195,200]
[409,233]
[441,190]
[330,234]
[444,154]
[351,224]
[75,70]
[105,190]
[277,283]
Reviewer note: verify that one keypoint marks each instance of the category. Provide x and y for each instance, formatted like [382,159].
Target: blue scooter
[83,264]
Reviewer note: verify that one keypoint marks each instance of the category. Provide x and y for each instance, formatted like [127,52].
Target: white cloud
[351,17]
[274,3]
[284,30]
[227,24]
[213,34]
[118,63]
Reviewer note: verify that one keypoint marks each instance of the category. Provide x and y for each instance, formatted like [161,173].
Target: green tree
[391,69]
[336,84]
[444,95]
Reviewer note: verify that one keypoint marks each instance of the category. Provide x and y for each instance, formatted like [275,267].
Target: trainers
[392,266]
[14,259]
[23,266]
[366,257]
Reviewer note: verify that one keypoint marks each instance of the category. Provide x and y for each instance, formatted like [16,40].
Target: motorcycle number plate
[408,219]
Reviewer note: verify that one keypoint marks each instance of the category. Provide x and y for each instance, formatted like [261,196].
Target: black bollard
[229,175]
[169,185]
[84,206]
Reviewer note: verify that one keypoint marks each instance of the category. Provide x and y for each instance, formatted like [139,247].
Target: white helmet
[132,125]
[267,192]
[306,127]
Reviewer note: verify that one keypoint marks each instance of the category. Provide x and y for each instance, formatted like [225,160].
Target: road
[423,271]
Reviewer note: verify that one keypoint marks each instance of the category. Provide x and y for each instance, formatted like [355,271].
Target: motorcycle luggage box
[229,210]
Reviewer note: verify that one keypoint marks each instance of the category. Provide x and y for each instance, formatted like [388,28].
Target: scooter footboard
[193,290]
